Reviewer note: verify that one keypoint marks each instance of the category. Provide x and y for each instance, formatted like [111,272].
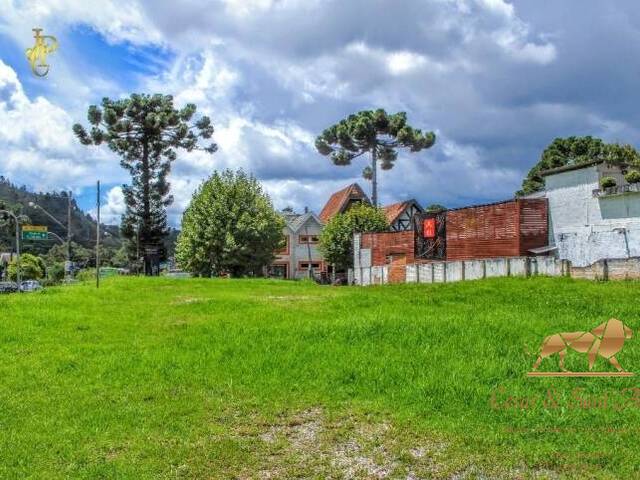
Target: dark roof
[568,168]
[297,222]
[485,204]
[339,201]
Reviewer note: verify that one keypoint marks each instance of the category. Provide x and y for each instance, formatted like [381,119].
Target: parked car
[30,286]
[8,287]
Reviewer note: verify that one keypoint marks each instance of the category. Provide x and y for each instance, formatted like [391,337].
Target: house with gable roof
[400,215]
[300,252]
[342,200]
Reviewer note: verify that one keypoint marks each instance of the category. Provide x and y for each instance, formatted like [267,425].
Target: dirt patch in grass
[310,444]
[190,300]
[290,298]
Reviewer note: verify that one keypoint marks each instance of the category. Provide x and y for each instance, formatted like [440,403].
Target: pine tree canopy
[375,132]
[145,131]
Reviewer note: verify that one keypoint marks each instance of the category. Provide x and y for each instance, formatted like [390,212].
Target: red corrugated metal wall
[389,243]
[506,229]
[534,224]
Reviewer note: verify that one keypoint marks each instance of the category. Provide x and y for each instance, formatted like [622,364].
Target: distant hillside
[83,227]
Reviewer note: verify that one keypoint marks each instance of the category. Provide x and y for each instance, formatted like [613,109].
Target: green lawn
[190,378]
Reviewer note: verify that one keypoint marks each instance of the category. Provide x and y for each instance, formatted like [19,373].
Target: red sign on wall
[429,228]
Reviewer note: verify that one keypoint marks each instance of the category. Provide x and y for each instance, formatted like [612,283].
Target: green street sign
[29,235]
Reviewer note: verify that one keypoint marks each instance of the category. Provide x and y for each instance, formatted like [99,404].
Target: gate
[431,235]
[398,268]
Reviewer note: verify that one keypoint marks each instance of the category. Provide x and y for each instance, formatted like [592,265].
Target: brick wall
[385,244]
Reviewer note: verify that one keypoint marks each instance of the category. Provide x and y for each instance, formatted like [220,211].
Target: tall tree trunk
[374,176]
[146,208]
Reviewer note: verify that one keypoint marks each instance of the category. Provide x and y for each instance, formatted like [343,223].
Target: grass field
[187,378]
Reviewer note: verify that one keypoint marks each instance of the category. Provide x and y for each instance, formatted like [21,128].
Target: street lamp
[67,228]
[15,219]
[57,237]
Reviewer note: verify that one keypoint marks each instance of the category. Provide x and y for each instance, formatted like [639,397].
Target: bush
[86,275]
[31,268]
[55,272]
[633,176]
[336,240]
[607,182]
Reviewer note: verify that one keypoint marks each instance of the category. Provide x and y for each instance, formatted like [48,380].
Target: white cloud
[512,36]
[37,146]
[404,62]
[265,149]
[113,207]
[273,73]
[116,19]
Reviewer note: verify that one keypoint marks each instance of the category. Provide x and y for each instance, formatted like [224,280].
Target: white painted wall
[462,270]
[298,252]
[586,228]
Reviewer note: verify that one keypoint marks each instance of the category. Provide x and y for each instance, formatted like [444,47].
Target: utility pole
[67,269]
[309,270]
[15,219]
[374,177]
[138,248]
[98,237]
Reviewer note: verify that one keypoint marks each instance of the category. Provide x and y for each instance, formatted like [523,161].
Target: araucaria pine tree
[145,131]
[374,132]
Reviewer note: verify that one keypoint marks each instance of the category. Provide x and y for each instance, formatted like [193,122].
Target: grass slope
[150,378]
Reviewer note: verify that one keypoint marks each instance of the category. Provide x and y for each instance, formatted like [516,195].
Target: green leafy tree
[230,226]
[336,240]
[55,272]
[120,258]
[79,254]
[374,132]
[435,208]
[608,182]
[145,131]
[576,151]
[633,176]
[31,267]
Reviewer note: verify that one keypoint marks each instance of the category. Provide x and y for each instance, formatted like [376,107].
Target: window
[285,249]
[278,270]
[308,239]
[314,265]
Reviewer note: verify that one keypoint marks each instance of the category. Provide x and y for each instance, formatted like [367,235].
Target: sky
[496,81]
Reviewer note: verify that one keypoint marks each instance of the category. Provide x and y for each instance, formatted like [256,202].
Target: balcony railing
[617,190]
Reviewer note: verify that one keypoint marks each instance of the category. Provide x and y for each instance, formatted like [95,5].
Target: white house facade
[587,223]
[301,252]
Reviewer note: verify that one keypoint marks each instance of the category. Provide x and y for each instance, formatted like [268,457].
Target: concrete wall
[587,228]
[441,272]
[609,269]
[456,271]
[369,275]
